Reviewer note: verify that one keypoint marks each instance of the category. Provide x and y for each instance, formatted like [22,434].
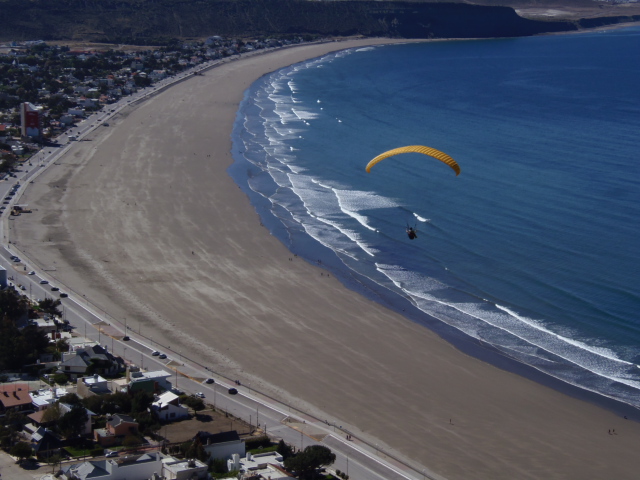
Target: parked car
[111,454]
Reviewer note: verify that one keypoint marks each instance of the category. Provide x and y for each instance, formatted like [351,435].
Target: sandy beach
[144,221]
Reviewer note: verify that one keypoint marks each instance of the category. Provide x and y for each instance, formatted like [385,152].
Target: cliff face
[142,20]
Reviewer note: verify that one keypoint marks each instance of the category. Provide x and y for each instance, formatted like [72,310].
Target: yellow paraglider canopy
[432,152]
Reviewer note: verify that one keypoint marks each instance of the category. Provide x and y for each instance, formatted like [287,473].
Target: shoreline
[122,257]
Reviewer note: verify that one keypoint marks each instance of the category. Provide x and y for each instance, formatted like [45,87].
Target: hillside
[140,21]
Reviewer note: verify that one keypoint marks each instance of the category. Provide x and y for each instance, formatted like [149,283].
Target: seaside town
[70,407]
[46,89]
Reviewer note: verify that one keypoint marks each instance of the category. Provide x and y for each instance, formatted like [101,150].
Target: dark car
[162,356]
[54,289]
[233,391]
[64,295]
[209,380]
[125,338]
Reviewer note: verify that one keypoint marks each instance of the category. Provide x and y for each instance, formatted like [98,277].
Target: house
[78,360]
[45,397]
[153,382]
[221,445]
[118,427]
[262,465]
[93,385]
[15,397]
[131,467]
[167,407]
[45,443]
[173,469]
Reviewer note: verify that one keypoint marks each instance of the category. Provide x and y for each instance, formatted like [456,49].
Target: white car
[199,394]
[31,272]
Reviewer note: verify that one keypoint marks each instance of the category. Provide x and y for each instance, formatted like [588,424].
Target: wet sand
[144,221]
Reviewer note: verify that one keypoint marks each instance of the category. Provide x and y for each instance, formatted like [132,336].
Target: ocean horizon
[528,258]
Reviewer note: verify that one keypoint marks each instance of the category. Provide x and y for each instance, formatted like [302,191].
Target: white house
[262,465]
[167,407]
[173,469]
[222,445]
[132,467]
[45,397]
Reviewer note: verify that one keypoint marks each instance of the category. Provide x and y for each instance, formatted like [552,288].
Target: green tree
[284,449]
[71,399]
[52,414]
[195,403]
[12,305]
[72,423]
[306,463]
[118,402]
[49,305]
[95,403]
[141,402]
[22,450]
[196,450]
[131,441]
[60,379]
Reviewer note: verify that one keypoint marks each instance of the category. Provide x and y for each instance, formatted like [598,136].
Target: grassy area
[233,474]
[256,451]
[78,452]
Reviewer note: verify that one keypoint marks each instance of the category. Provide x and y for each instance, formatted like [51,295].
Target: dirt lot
[208,421]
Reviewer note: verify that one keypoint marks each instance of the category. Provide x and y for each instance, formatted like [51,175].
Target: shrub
[257,442]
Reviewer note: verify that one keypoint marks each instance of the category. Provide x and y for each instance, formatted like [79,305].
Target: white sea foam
[344,220]
[503,328]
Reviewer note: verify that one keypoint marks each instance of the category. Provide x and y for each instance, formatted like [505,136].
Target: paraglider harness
[412,232]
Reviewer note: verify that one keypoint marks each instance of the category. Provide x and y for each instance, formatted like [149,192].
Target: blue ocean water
[532,250]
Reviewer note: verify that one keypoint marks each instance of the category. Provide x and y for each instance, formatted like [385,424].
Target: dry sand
[119,219]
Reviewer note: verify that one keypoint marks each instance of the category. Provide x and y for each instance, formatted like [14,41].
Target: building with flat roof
[31,120]
[153,382]
[131,467]
[261,465]
[173,469]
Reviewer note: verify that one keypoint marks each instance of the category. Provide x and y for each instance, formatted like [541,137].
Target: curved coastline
[123,216]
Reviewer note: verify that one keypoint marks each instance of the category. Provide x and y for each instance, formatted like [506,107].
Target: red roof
[14,394]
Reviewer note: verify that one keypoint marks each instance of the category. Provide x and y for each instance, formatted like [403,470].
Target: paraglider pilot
[411,232]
